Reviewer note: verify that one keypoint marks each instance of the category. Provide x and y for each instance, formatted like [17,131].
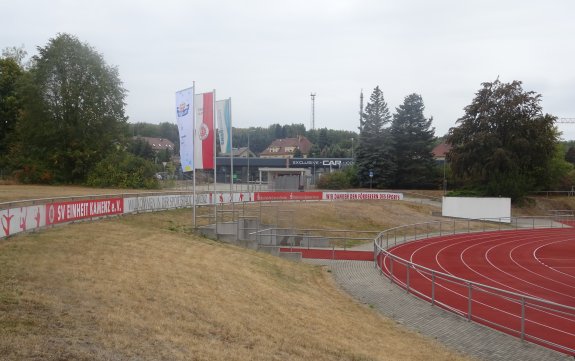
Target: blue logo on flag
[183,109]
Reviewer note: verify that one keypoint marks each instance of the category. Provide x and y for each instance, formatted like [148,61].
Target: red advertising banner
[361,196]
[288,196]
[62,212]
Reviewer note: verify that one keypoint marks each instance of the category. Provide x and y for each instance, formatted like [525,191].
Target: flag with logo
[224,119]
[185,118]
[205,138]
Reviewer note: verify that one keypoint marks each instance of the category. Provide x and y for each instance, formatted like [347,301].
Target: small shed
[286,179]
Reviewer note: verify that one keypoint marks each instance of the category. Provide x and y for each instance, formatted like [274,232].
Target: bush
[341,179]
[466,193]
[34,174]
[123,170]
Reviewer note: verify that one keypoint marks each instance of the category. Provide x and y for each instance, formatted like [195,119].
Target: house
[440,151]
[158,144]
[287,147]
[242,152]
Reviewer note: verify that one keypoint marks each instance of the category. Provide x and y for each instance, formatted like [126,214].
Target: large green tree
[413,139]
[73,113]
[375,149]
[504,145]
[10,105]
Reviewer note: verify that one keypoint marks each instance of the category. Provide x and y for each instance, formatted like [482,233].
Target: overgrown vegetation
[123,170]
[341,179]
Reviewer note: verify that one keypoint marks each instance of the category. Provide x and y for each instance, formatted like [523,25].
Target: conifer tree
[413,139]
[374,152]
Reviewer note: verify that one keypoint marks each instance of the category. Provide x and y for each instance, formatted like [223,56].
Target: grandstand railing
[399,271]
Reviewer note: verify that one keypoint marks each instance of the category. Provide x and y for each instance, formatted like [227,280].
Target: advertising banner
[288,196]
[22,219]
[62,212]
[360,196]
[161,202]
[227,197]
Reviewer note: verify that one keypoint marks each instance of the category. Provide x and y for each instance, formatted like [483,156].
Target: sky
[268,56]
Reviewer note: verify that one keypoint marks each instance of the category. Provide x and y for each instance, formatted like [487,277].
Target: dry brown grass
[143,288]
[14,192]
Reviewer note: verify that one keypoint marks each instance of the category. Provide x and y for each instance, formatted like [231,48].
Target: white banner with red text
[361,196]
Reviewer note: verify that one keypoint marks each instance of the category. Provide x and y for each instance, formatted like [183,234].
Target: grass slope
[144,288]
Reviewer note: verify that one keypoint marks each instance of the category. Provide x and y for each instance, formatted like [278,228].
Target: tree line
[503,145]
[62,120]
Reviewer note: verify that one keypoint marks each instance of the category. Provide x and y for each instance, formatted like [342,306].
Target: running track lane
[538,263]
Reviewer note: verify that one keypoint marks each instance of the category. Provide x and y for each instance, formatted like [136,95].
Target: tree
[10,103]
[413,139]
[322,141]
[73,112]
[141,148]
[15,53]
[504,144]
[124,170]
[374,152]
[570,155]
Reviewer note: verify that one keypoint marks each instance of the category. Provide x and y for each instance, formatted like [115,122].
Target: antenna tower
[361,107]
[312,110]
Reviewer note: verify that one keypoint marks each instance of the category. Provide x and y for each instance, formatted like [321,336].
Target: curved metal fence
[529,318]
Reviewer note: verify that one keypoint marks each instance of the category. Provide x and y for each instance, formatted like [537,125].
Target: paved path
[363,282]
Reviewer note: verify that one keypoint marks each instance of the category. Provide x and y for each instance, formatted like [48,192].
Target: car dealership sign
[320,162]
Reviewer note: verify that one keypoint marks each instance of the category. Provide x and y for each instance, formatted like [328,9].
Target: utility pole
[248,160]
[361,108]
[312,110]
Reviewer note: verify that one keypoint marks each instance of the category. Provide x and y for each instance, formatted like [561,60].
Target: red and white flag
[204,144]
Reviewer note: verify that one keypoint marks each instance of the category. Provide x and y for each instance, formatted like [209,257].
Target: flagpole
[194,148]
[231,148]
[215,158]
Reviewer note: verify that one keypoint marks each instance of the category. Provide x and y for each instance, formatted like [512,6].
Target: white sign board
[496,209]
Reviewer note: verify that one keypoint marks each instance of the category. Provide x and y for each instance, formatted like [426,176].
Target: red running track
[539,263]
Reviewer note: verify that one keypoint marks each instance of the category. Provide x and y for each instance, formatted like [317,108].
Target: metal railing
[319,238]
[529,318]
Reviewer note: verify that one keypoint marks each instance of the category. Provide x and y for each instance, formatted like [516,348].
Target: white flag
[185,116]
